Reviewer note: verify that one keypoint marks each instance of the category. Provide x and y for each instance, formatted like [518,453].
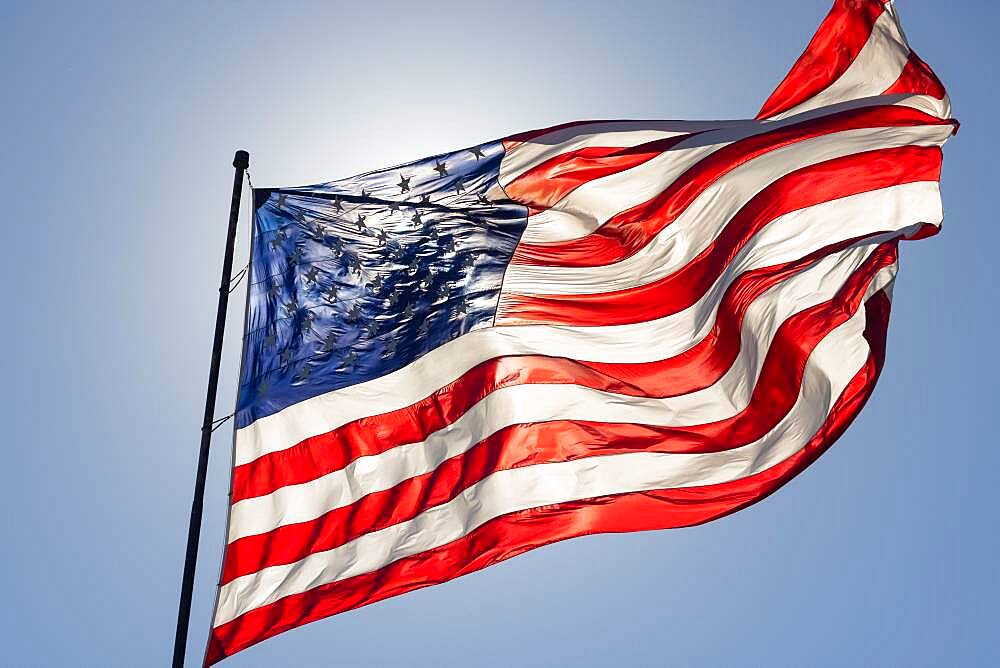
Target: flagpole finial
[241,160]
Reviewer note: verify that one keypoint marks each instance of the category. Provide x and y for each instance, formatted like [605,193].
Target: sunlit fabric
[603,326]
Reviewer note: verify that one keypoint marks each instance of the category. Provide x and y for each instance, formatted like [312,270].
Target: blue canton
[354,279]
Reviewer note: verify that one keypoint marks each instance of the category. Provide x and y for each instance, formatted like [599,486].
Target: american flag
[603,326]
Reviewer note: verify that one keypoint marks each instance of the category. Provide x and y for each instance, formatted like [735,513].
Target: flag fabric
[603,326]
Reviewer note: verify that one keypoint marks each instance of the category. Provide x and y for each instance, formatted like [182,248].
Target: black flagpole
[241,161]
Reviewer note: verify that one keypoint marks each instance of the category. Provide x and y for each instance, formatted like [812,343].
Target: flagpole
[240,161]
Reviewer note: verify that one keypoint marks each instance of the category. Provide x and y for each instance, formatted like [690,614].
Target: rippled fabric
[355,278]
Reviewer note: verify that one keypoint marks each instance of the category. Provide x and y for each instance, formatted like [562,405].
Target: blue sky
[121,122]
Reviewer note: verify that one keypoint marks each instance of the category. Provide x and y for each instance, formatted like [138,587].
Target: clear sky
[121,122]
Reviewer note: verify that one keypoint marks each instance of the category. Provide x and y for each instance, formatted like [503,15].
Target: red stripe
[809,186]
[917,78]
[516,533]
[548,182]
[833,48]
[627,232]
[776,391]
[694,369]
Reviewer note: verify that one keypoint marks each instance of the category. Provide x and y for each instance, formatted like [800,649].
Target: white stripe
[877,66]
[524,404]
[527,155]
[790,236]
[925,103]
[642,342]
[591,205]
[840,355]
[706,217]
